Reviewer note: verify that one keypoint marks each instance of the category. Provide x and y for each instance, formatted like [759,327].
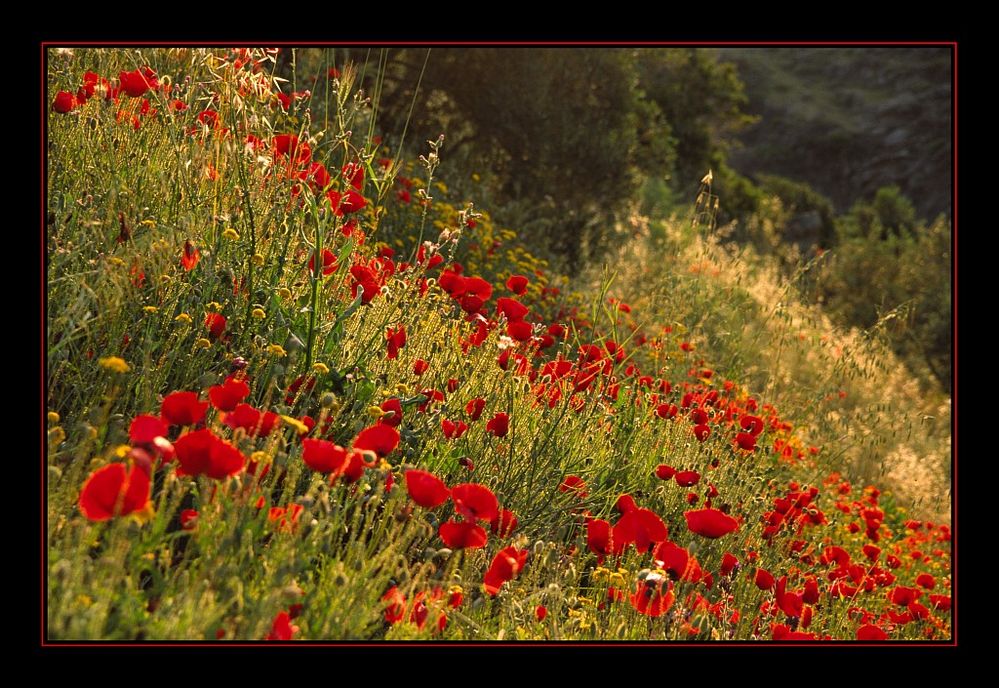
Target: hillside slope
[850,120]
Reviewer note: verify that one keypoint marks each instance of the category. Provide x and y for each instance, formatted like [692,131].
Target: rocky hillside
[850,120]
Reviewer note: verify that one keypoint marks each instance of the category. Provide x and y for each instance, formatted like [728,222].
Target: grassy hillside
[300,388]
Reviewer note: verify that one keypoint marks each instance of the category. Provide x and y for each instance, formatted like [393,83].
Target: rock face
[850,120]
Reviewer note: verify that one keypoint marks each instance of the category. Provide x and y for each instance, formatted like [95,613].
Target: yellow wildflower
[258,314]
[150,309]
[258,259]
[184,318]
[301,427]
[114,363]
[277,350]
[57,435]
[284,293]
[145,515]
[202,343]
[375,411]
[53,417]
[231,233]
[321,368]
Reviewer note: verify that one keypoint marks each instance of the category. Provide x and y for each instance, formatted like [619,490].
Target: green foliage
[798,198]
[702,99]
[570,132]
[890,272]
[888,214]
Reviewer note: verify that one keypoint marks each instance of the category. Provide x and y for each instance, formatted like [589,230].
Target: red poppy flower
[183,408]
[504,524]
[432,396]
[871,632]
[653,596]
[354,469]
[540,612]
[288,144]
[926,580]
[835,554]
[573,483]
[754,424]
[625,503]
[215,322]
[475,502]
[324,457]
[64,102]
[347,202]
[226,396]
[453,429]
[499,425]
[379,438]
[426,489]
[393,412]
[396,339]
[641,527]
[517,284]
[904,596]
[309,382]
[729,562]
[193,451]
[599,538]
[783,632]
[255,423]
[745,440]
[474,408]
[687,478]
[316,176]
[941,602]
[353,174]
[710,523]
[667,410]
[282,628]
[764,579]
[329,263]
[190,257]
[872,552]
[790,603]
[514,310]
[135,83]
[677,561]
[463,535]
[420,366]
[520,331]
[395,605]
[188,519]
[702,432]
[113,490]
[224,460]
[209,118]
[505,566]
[145,429]
[476,286]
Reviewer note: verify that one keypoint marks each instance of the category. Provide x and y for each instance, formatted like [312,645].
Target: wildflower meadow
[304,384]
